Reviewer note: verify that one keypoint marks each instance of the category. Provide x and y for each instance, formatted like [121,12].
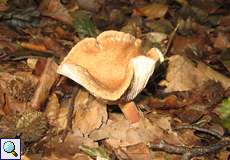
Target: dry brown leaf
[2,98]
[183,75]
[48,78]
[61,121]
[181,43]
[225,21]
[90,5]
[122,133]
[70,147]
[223,155]
[135,152]
[153,11]
[222,41]
[52,109]
[90,115]
[54,46]
[80,156]
[54,9]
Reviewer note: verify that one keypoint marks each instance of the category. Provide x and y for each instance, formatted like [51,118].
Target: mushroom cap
[107,65]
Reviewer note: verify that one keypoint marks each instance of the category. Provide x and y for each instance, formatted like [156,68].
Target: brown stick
[186,152]
[213,133]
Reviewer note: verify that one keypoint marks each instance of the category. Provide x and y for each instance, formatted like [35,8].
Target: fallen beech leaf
[54,46]
[90,5]
[224,154]
[24,157]
[132,27]
[225,21]
[189,115]
[54,9]
[48,78]
[210,93]
[52,109]
[2,98]
[152,11]
[80,156]
[90,116]
[135,152]
[181,43]
[222,41]
[123,133]
[70,147]
[3,5]
[183,75]
[61,121]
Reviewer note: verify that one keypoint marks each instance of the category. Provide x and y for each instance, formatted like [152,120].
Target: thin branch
[186,152]
[213,133]
[171,38]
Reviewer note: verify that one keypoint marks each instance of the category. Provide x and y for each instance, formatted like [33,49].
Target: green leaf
[84,26]
[98,153]
[225,113]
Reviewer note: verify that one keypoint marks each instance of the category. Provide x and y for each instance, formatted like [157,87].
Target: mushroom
[112,68]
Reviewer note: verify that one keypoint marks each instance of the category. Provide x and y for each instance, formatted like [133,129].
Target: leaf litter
[183,109]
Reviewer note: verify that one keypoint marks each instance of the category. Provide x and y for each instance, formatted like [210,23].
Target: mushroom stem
[130,111]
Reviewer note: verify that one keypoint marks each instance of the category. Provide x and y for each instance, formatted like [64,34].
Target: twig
[213,133]
[172,35]
[186,152]
[70,113]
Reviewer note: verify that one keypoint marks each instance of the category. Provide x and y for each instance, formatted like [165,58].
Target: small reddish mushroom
[112,68]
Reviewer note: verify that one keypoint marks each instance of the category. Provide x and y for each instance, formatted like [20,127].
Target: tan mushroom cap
[105,65]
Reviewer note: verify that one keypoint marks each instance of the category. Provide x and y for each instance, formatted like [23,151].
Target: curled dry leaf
[134,152]
[123,133]
[179,79]
[70,147]
[46,81]
[61,121]
[54,9]
[181,43]
[90,115]
[152,11]
[80,156]
[91,61]
[90,5]
[54,46]
[222,41]
[52,109]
